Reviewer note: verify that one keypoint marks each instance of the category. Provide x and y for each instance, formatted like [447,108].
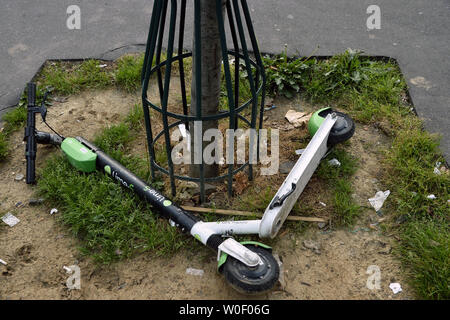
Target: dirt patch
[38,247]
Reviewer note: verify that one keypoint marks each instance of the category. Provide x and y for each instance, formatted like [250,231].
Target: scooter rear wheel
[252,280]
[343,129]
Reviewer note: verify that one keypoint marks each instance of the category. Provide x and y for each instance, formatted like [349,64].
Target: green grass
[129,70]
[128,73]
[412,158]
[3,146]
[345,210]
[15,119]
[426,250]
[245,93]
[57,78]
[136,117]
[112,222]
[369,90]
[410,177]
[84,75]
[256,201]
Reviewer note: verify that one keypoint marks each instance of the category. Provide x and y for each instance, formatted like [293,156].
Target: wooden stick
[247,214]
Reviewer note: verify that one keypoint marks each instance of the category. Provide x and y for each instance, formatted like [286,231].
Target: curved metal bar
[150,51]
[250,79]
[159,47]
[173,17]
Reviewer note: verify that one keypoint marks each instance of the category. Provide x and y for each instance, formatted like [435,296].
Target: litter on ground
[377,201]
[270,108]
[68,270]
[195,272]
[334,162]
[436,168]
[10,219]
[298,119]
[395,287]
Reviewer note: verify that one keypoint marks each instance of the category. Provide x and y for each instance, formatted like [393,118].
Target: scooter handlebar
[32,136]
[31,94]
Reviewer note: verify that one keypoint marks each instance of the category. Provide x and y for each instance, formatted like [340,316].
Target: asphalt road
[415,32]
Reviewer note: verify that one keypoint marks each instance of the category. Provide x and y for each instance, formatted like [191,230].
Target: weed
[15,119]
[257,200]
[161,155]
[337,177]
[426,251]
[345,209]
[128,73]
[284,76]
[412,158]
[136,116]
[129,70]
[65,80]
[245,93]
[3,146]
[368,88]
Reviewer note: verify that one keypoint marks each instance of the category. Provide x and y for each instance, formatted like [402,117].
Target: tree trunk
[211,64]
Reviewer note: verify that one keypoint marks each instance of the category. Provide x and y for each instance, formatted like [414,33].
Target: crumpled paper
[298,119]
[395,287]
[377,201]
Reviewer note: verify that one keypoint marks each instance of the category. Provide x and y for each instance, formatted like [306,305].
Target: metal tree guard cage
[240,29]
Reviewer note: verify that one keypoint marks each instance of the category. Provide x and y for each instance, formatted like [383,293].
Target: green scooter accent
[315,121]
[224,256]
[78,155]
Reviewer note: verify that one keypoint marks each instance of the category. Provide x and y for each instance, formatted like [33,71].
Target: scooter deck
[286,196]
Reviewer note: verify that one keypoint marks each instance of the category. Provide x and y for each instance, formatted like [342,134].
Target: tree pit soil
[38,247]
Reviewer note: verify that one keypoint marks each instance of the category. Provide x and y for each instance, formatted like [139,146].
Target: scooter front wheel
[252,280]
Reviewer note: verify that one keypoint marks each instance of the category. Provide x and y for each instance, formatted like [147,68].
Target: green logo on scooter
[107,169]
[167,203]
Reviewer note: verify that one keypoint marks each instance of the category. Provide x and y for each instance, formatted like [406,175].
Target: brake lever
[278,200]
[43,108]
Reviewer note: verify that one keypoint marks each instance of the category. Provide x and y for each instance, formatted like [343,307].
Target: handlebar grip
[31,94]
[47,138]
[30,148]
[31,174]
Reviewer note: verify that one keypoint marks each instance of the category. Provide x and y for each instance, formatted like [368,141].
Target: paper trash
[377,201]
[10,220]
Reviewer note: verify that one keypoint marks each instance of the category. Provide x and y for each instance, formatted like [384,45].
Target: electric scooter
[248,266]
